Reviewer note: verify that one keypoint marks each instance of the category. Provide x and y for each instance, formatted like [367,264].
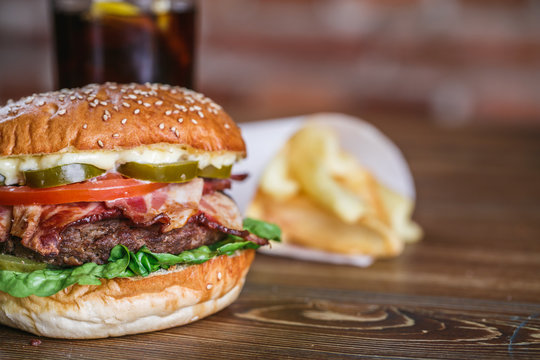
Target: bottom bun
[134,305]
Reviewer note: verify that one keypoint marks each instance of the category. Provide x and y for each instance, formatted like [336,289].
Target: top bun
[116,116]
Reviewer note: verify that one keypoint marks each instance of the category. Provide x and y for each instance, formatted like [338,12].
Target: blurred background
[453,62]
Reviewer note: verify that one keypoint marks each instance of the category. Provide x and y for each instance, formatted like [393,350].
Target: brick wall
[455,60]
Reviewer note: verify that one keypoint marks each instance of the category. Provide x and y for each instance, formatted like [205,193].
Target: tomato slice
[98,189]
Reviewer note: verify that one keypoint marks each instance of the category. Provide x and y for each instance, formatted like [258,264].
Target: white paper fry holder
[374,150]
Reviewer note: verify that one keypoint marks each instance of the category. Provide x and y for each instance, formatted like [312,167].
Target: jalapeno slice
[15,263]
[61,175]
[211,171]
[168,173]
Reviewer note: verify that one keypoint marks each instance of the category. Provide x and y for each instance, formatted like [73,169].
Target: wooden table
[470,289]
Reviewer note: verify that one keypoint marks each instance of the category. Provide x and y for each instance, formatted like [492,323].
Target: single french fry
[306,150]
[276,180]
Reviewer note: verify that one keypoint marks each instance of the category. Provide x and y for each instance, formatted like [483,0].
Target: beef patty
[93,242]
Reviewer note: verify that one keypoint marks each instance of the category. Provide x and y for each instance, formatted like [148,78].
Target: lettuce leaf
[262,229]
[125,263]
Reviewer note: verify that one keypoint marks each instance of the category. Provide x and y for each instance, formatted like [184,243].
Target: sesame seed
[219,275]
[176,112]
[79,97]
[136,111]
[41,103]
[226,126]
[62,112]
[116,135]
[183,177]
[180,120]
[176,133]
[72,97]
[105,117]
[209,286]
[92,104]
[195,318]
[201,114]
[85,126]
[158,103]
[104,103]
[194,121]
[173,128]
[131,96]
[177,106]
[168,112]
[115,107]
[124,121]
[139,102]
[28,100]
[162,126]
[146,104]
[100,143]
[126,104]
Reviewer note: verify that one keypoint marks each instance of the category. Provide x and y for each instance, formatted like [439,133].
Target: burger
[113,214]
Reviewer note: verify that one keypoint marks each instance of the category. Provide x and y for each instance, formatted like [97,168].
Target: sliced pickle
[211,171]
[61,175]
[169,173]
[15,263]
[2,180]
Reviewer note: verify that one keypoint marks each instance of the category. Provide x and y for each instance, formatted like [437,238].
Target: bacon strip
[203,219]
[211,185]
[172,205]
[5,222]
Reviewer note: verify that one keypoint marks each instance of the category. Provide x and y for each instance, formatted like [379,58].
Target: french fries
[322,198]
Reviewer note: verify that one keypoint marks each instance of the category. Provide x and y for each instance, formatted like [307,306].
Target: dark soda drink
[129,41]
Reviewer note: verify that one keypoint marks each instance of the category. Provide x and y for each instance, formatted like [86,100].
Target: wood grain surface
[470,289]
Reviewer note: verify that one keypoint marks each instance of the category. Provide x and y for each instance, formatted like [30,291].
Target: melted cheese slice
[11,167]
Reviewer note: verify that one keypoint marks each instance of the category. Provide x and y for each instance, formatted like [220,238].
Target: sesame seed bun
[114,116]
[126,306]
